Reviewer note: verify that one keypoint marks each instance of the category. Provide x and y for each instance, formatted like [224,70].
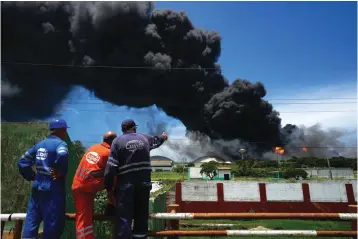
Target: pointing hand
[165,135]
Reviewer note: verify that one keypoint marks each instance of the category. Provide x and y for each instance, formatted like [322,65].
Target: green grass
[162,176]
[16,138]
[272,224]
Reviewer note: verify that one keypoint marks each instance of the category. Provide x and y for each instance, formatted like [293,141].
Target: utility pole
[184,160]
[329,168]
[242,151]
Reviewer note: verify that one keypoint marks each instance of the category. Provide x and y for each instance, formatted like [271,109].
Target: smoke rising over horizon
[318,142]
[153,57]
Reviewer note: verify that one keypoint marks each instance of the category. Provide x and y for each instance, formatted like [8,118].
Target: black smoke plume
[144,49]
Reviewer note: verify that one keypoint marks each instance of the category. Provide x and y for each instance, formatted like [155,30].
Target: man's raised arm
[156,141]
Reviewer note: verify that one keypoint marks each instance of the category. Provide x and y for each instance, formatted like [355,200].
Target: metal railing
[173,219]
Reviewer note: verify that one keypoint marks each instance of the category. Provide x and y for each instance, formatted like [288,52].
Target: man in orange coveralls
[88,180]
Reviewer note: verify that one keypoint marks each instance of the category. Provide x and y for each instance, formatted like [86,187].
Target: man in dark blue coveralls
[47,200]
[129,160]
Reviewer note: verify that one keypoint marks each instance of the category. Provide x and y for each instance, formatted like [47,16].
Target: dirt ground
[10,235]
[7,235]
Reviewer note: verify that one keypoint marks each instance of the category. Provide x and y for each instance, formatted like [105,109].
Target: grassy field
[158,176]
[16,138]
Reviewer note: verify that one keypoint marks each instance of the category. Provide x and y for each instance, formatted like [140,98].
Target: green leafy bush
[180,169]
[293,173]
[102,229]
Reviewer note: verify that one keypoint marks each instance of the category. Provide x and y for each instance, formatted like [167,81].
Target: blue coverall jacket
[47,201]
[129,161]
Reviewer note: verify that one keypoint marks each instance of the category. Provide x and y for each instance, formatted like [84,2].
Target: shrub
[294,173]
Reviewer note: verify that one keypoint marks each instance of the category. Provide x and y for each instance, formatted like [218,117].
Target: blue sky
[299,50]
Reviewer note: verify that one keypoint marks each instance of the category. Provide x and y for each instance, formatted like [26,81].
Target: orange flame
[305,149]
[279,150]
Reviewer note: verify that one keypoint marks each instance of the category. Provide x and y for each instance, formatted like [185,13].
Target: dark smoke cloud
[149,46]
[320,143]
[128,34]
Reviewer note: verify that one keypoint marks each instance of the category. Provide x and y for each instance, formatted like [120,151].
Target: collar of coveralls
[106,145]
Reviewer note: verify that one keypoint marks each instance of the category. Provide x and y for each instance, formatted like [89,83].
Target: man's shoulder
[133,136]
[94,147]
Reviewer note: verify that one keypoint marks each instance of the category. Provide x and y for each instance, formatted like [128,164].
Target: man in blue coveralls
[129,161]
[47,201]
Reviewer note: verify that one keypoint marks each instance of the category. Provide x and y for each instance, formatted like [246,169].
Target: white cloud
[177,131]
[176,135]
[301,114]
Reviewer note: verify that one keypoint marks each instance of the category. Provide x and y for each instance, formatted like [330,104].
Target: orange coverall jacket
[88,180]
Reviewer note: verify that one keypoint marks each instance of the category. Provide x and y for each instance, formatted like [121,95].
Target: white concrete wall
[203,191]
[343,173]
[320,191]
[222,172]
[336,173]
[284,192]
[354,185]
[195,173]
[331,191]
[241,191]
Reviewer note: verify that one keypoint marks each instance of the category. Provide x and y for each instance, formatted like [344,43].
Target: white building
[223,173]
[205,159]
[161,163]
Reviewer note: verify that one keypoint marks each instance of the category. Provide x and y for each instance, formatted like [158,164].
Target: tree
[209,169]
[245,167]
[191,164]
[79,148]
[179,169]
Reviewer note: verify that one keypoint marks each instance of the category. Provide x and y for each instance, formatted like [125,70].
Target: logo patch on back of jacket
[134,145]
[92,157]
[41,154]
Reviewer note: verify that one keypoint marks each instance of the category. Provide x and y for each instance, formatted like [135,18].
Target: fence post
[174,223]
[2,228]
[18,229]
[353,209]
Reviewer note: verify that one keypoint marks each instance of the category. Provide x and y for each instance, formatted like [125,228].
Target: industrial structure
[205,159]
[161,163]
[223,173]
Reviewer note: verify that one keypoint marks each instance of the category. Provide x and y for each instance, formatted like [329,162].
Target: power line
[333,98]
[285,103]
[200,145]
[98,101]
[148,67]
[110,67]
[289,112]
[317,111]
[271,99]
